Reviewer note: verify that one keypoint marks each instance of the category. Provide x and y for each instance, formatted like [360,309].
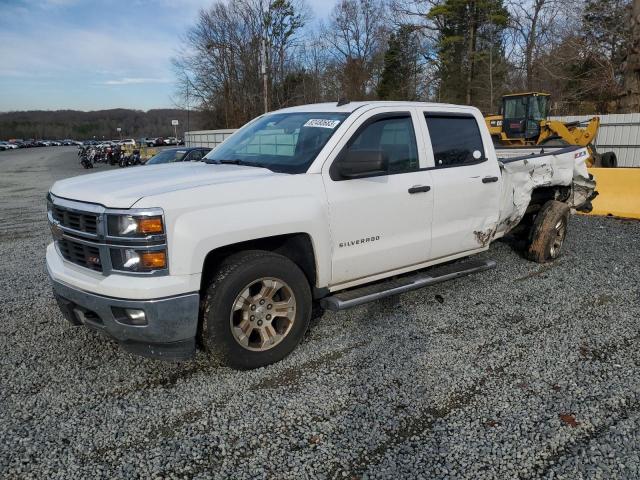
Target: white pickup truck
[333,204]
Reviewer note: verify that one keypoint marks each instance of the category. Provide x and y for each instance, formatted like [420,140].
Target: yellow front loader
[524,122]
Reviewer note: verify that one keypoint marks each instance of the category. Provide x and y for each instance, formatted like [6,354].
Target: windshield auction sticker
[322,123]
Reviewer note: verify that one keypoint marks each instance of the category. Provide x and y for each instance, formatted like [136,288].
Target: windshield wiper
[239,162]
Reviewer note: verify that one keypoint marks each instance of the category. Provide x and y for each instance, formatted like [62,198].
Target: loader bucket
[618,192]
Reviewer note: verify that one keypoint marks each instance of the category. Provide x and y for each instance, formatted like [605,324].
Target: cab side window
[395,137]
[456,140]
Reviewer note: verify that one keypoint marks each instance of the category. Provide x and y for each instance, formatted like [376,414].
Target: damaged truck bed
[529,179]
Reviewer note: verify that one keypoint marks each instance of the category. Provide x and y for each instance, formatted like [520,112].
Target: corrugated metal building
[619,133]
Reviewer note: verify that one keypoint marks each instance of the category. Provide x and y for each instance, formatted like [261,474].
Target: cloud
[135,81]
[84,53]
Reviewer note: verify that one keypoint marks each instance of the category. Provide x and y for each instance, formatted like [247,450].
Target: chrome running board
[412,281]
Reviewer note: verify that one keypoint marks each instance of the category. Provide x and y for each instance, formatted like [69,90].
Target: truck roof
[352,106]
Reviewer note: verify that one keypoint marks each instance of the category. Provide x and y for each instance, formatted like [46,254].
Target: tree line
[586,53]
[99,124]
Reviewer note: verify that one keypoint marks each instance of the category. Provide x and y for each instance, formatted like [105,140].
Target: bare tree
[221,62]
[356,34]
[532,24]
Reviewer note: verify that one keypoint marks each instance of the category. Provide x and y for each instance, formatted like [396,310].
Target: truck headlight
[137,240]
[136,260]
[132,226]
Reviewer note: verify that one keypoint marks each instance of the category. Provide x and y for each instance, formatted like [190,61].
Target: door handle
[489,179]
[419,189]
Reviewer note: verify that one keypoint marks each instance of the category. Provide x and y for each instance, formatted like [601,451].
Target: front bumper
[170,331]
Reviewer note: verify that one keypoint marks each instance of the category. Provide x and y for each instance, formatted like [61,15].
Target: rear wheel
[255,310]
[548,232]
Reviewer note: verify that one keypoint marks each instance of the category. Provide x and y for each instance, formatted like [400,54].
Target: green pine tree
[401,69]
[470,48]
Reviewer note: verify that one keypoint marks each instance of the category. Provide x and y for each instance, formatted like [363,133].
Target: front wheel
[255,310]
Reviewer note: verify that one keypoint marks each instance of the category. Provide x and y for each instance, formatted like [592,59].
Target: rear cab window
[456,139]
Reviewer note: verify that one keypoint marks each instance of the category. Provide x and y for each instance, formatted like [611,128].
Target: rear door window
[456,140]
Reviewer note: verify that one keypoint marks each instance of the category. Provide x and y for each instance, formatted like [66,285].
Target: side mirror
[363,163]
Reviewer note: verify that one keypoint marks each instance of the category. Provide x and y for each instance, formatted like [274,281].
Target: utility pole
[188,82]
[265,82]
[490,78]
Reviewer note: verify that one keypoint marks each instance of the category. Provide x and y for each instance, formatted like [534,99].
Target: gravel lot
[525,371]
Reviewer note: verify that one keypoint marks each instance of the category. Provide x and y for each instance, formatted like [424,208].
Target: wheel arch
[297,247]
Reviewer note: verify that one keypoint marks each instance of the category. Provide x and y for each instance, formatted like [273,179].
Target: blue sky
[90,55]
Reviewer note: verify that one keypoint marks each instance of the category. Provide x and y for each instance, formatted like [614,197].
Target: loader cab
[522,114]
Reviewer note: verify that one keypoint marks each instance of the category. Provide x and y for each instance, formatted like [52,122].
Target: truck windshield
[282,142]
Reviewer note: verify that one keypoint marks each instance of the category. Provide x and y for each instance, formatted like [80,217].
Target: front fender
[203,219]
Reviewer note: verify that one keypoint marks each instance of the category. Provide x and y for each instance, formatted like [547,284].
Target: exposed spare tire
[548,232]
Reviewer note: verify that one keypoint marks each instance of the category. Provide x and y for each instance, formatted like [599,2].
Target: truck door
[466,183]
[382,222]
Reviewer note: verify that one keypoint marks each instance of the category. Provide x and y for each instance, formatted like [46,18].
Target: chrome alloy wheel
[263,314]
[560,232]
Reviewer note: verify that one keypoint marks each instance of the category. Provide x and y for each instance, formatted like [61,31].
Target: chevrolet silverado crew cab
[333,204]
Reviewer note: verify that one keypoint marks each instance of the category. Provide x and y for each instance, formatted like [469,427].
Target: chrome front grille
[79,221]
[81,254]
[80,233]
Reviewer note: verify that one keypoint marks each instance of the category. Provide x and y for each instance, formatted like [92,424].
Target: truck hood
[123,188]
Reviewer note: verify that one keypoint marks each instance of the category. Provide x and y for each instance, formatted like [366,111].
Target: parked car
[9,145]
[171,141]
[127,142]
[169,155]
[337,204]
[158,142]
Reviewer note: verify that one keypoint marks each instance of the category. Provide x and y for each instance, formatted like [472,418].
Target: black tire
[522,231]
[608,160]
[548,232]
[232,278]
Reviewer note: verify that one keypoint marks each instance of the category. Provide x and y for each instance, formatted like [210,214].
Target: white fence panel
[619,133]
[206,138]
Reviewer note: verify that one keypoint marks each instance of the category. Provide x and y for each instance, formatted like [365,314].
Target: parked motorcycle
[85,162]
